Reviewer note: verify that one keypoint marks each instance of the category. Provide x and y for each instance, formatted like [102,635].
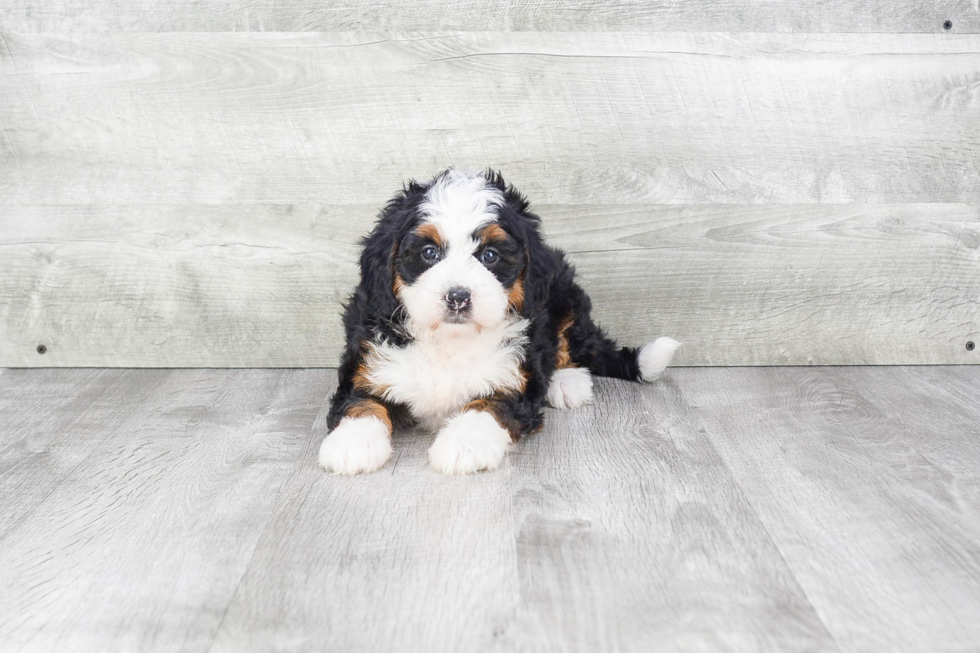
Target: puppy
[467,322]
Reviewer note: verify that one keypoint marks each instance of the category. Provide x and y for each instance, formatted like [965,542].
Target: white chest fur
[439,373]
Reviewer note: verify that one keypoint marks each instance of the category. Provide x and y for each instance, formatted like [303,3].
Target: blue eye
[489,256]
[430,253]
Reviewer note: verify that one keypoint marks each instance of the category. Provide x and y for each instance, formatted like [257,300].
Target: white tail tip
[654,357]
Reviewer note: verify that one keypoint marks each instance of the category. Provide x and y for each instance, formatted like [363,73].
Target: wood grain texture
[597,534]
[175,286]
[141,544]
[403,559]
[581,15]
[191,199]
[933,411]
[632,536]
[765,509]
[38,409]
[611,118]
[845,468]
[262,285]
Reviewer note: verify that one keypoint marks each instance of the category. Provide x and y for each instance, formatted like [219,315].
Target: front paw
[357,445]
[469,442]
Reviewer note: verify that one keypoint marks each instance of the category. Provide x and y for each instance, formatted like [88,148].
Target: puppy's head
[455,252]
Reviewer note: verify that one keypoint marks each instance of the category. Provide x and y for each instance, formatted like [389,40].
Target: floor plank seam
[779,551]
[281,491]
[806,509]
[748,501]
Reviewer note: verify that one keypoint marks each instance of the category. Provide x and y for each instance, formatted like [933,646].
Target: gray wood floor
[763,509]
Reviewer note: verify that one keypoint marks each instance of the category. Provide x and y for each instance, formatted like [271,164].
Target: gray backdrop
[184,183]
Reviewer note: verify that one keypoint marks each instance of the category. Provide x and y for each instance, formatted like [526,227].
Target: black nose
[458,298]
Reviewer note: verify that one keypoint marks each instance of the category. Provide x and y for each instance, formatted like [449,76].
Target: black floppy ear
[539,275]
[540,261]
[377,271]
[380,250]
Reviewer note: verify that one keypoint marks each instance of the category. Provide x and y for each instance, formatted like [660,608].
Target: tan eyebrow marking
[430,231]
[492,233]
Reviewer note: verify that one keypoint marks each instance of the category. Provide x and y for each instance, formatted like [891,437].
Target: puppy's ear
[377,276]
[380,251]
[540,261]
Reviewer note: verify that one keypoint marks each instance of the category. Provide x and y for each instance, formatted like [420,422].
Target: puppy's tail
[606,358]
[653,357]
[588,345]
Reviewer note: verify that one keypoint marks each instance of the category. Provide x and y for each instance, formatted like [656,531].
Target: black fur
[551,296]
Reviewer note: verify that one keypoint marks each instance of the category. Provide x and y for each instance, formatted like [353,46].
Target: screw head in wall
[970,346]
[41,349]
[948,24]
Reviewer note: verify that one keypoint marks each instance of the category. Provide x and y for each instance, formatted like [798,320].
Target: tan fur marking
[492,405]
[484,404]
[362,376]
[516,295]
[506,422]
[525,376]
[564,357]
[370,408]
[430,231]
[492,233]
[398,285]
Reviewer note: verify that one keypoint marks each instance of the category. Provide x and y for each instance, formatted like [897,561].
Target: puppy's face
[459,269]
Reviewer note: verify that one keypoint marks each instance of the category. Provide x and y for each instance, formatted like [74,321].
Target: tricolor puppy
[467,322]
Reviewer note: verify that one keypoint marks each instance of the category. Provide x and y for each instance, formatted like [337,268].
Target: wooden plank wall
[183,183]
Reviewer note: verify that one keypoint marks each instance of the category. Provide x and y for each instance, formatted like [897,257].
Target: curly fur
[548,325]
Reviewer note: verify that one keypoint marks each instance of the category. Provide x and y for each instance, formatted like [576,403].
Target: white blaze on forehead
[459,203]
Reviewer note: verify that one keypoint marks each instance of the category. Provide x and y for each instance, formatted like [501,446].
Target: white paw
[469,442]
[570,387]
[654,357]
[360,444]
